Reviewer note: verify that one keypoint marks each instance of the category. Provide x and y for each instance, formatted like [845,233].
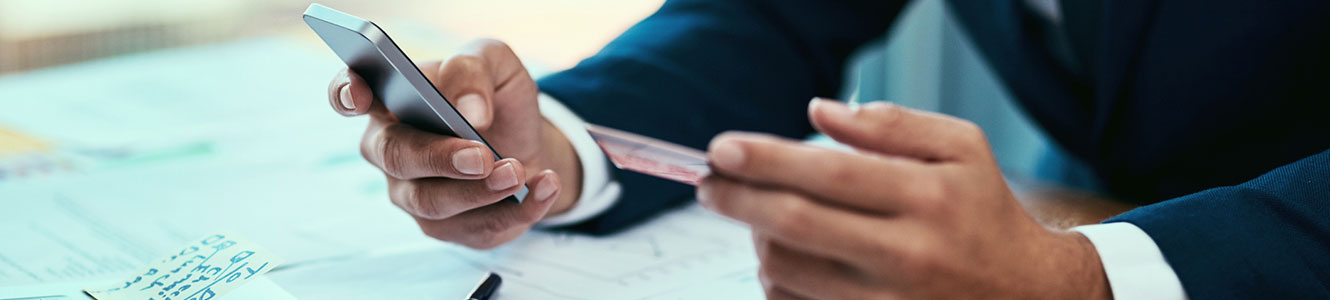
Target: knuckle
[405,196]
[791,216]
[463,63]
[929,189]
[369,142]
[491,226]
[883,114]
[769,277]
[971,133]
[401,198]
[919,267]
[928,195]
[527,86]
[440,164]
[777,269]
[843,171]
[917,262]
[389,153]
[426,205]
[880,247]
[367,149]
[437,232]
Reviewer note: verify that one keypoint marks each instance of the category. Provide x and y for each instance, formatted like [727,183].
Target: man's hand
[453,186]
[919,211]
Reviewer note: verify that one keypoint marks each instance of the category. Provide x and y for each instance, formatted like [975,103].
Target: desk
[1060,207]
[120,155]
[119,170]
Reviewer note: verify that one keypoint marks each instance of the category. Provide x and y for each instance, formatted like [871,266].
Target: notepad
[206,269]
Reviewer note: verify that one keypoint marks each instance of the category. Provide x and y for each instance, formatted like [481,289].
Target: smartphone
[395,80]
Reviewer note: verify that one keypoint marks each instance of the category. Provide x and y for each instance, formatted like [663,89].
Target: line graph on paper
[685,254]
[685,249]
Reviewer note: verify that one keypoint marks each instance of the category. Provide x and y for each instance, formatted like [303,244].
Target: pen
[486,288]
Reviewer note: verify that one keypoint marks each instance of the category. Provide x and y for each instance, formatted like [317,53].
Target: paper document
[205,269]
[103,180]
[686,254]
[258,288]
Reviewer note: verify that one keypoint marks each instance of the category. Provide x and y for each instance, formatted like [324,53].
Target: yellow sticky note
[201,270]
[12,142]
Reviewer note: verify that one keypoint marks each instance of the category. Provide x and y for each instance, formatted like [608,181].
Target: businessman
[1211,114]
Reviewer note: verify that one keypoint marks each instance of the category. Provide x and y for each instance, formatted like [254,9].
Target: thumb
[475,109]
[465,82]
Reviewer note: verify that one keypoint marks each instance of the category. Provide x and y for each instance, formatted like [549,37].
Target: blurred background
[130,127]
[42,33]
[91,82]
[925,62]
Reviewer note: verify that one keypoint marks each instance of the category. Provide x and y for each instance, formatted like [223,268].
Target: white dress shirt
[599,192]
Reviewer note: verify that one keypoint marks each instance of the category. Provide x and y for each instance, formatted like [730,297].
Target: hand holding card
[651,156]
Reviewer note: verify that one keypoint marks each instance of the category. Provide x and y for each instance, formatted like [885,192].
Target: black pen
[486,288]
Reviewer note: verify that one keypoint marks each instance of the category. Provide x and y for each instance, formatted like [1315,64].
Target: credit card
[651,156]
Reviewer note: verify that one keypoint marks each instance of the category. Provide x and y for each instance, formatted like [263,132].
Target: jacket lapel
[1011,40]
[1120,39]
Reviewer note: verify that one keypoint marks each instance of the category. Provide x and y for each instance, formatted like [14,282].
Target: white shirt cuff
[598,191]
[1133,263]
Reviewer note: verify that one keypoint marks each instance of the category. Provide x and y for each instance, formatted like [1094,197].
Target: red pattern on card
[650,156]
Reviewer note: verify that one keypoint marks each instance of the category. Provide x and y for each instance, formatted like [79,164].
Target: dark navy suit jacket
[1214,113]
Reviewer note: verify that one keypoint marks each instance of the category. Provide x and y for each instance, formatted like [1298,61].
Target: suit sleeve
[1268,238]
[696,68]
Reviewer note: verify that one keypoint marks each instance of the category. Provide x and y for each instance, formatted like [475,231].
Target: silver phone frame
[405,67]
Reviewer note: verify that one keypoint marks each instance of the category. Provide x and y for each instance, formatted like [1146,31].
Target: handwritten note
[201,270]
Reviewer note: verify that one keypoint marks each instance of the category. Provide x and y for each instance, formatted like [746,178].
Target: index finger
[887,128]
[862,181]
[405,152]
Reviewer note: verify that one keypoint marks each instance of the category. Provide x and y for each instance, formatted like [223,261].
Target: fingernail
[469,161]
[345,96]
[472,108]
[833,109]
[502,178]
[726,154]
[546,187]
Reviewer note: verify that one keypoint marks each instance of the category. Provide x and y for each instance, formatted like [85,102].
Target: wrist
[559,155]
[1086,279]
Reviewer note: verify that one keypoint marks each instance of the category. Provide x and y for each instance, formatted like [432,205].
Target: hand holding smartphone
[394,79]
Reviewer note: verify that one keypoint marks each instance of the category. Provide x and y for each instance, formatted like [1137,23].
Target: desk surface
[108,164]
